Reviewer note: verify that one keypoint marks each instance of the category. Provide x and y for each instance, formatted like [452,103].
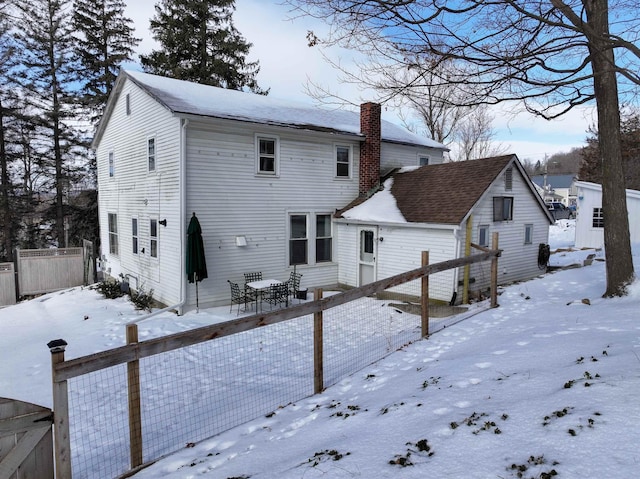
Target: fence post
[467,268]
[62,441]
[318,367]
[424,297]
[494,272]
[135,414]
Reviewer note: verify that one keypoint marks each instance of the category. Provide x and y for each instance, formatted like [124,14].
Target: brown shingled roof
[446,192]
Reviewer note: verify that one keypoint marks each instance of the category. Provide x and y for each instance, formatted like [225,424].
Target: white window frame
[503,215]
[597,219]
[323,238]
[154,242]
[349,161]
[112,227]
[111,163]
[301,239]
[483,230]
[528,233]
[424,157]
[152,157]
[276,155]
[135,235]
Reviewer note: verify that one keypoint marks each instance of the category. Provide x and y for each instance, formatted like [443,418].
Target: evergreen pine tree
[105,42]
[8,58]
[47,75]
[199,43]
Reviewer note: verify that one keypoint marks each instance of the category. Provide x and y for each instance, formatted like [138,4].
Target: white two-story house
[264,177]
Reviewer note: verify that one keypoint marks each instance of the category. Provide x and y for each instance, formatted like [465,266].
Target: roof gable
[188,98]
[447,192]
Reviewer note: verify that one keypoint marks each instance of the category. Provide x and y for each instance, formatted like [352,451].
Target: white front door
[367,255]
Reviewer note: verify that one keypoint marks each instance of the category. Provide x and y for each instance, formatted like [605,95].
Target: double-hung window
[151,154]
[134,235]
[267,155]
[323,238]
[598,218]
[153,238]
[298,239]
[343,161]
[112,166]
[502,208]
[113,233]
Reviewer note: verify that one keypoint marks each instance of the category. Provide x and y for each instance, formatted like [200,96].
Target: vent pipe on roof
[370,149]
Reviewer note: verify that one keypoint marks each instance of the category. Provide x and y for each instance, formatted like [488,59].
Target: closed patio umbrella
[196,262]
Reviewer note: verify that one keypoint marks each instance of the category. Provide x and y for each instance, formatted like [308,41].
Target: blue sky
[287,64]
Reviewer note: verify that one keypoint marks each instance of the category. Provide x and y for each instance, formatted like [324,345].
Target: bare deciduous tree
[551,55]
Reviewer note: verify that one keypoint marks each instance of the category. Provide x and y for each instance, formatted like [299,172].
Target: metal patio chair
[277,294]
[238,297]
[294,284]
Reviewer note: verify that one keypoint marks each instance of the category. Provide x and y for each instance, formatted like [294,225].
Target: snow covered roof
[435,194]
[182,97]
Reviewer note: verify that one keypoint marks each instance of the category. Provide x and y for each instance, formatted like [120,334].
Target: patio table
[260,287]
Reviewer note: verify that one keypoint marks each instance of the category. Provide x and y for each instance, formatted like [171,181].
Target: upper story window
[343,161]
[128,104]
[598,218]
[267,155]
[113,233]
[151,153]
[423,160]
[502,208]
[112,165]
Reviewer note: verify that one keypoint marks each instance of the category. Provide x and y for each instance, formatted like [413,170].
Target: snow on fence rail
[125,408]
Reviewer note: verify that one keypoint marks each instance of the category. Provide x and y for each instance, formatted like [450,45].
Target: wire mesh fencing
[133,405]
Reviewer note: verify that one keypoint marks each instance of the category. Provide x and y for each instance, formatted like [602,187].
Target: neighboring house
[427,208]
[557,188]
[264,176]
[590,219]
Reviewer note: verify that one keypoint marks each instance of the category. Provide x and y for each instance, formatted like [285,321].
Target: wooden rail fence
[135,350]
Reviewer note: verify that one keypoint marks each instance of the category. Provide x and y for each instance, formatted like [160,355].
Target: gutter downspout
[183,229]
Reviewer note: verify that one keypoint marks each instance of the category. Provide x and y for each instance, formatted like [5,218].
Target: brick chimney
[370,148]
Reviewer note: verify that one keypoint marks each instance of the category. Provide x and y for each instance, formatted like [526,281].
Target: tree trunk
[617,243]
[4,183]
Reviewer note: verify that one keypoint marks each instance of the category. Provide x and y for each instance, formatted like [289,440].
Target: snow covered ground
[546,382]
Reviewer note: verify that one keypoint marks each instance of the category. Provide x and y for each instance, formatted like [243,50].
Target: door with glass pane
[366,256]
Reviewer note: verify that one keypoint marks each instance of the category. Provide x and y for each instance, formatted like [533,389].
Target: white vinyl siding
[394,155]
[257,208]
[133,193]
[518,260]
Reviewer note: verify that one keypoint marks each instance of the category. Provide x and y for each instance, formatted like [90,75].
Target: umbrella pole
[195,277]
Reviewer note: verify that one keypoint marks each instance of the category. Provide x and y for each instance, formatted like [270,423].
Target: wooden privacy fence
[135,350]
[7,284]
[46,270]
[26,444]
